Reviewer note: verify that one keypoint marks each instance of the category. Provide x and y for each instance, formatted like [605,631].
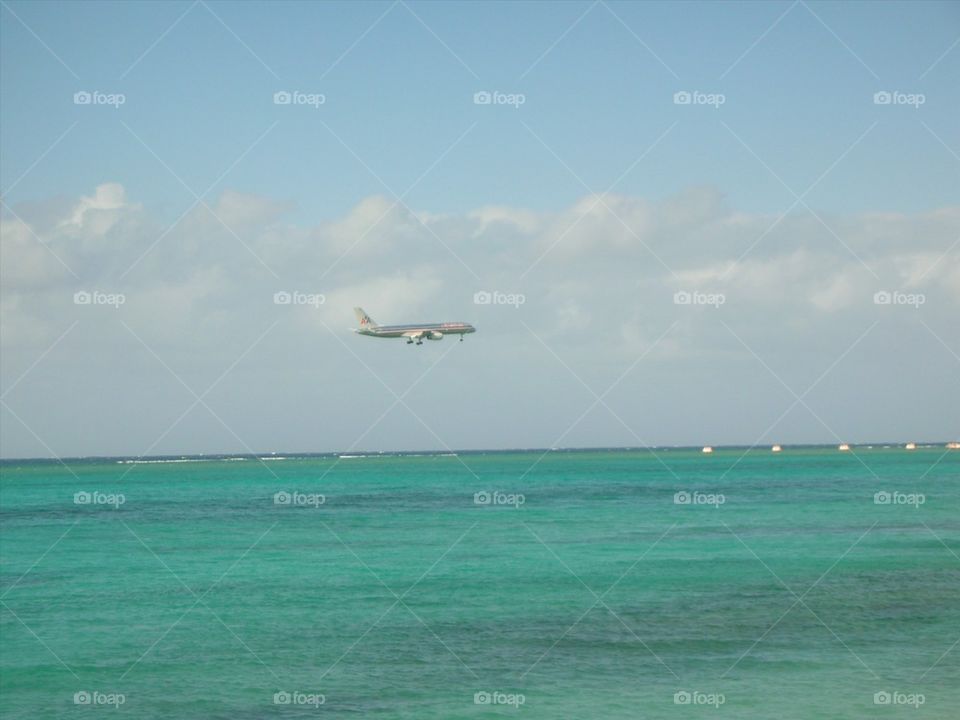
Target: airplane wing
[414,334]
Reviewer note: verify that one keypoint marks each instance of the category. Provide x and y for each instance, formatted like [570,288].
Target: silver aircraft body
[413,333]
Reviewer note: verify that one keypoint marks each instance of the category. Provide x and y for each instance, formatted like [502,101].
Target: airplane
[413,333]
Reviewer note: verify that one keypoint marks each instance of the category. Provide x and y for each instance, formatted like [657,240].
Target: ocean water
[600,584]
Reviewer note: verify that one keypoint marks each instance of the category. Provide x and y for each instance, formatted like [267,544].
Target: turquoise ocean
[591,584]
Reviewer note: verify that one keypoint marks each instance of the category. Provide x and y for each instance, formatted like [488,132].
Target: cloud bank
[710,322]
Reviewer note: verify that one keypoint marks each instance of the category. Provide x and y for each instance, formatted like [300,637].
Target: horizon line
[945,444]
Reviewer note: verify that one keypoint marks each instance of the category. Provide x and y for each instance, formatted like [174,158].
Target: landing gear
[409,342]
[461,338]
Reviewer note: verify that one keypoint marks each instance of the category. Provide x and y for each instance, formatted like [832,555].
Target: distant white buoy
[707,449]
[910,446]
[843,447]
[776,448]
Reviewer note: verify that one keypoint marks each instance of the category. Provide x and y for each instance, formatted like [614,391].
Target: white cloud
[492,217]
[595,293]
[96,214]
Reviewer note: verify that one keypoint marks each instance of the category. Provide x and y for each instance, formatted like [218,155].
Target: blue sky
[788,192]
[399,98]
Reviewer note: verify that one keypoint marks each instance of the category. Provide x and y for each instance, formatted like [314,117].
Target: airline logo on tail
[365,320]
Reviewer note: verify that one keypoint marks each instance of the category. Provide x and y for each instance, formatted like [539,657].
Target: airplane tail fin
[365,320]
